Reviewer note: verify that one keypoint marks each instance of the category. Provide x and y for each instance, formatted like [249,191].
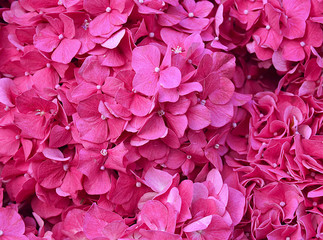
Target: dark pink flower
[11,225]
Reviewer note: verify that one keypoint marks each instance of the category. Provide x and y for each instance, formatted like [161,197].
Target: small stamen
[191,15]
[98,87]
[141,1]
[246,11]
[102,168]
[267,27]
[138,184]
[151,34]
[108,9]
[17,137]
[282,204]
[188,156]
[161,113]
[48,65]
[157,69]
[302,44]
[234,125]
[216,146]
[103,117]
[203,102]
[60,37]
[67,127]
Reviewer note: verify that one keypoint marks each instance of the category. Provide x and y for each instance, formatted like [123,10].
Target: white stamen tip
[17,137]
[302,44]
[216,38]
[261,115]
[60,37]
[188,156]
[203,102]
[102,168]
[108,9]
[103,117]
[249,76]
[138,184]
[134,90]
[191,15]
[163,3]
[141,1]
[48,65]
[6,108]
[98,87]
[314,204]
[1,232]
[157,69]
[234,125]
[151,34]
[104,152]
[246,11]
[267,27]
[67,128]
[65,167]
[26,73]
[216,146]
[60,2]
[282,204]
[190,61]
[161,113]
[275,133]
[274,165]
[287,238]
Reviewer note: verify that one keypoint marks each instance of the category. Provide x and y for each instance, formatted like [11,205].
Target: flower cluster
[152,119]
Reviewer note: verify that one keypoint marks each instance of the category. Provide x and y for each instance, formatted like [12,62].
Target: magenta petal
[154,128]
[158,180]
[198,117]
[145,83]
[170,77]
[66,50]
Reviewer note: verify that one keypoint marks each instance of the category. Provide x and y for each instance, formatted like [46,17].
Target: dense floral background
[166,120]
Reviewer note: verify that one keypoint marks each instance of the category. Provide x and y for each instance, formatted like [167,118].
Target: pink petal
[170,77]
[66,50]
[154,128]
[159,181]
[198,117]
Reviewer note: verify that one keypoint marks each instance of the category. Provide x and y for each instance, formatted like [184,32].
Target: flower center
[60,37]
[216,146]
[17,137]
[1,232]
[151,34]
[141,1]
[191,15]
[104,152]
[177,50]
[67,128]
[60,2]
[282,204]
[40,112]
[234,125]
[203,102]
[188,156]
[157,69]
[108,9]
[103,117]
[48,65]
[85,24]
[161,113]
[302,44]
[6,108]
[102,168]
[138,184]
[65,167]
[98,87]
[246,11]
